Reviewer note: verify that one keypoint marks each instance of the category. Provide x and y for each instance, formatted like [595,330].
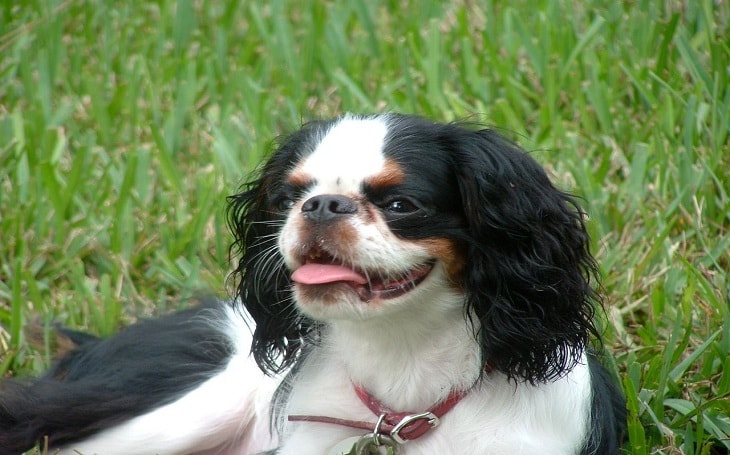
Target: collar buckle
[430,419]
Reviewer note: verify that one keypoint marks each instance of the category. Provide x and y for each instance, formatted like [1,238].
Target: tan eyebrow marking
[391,175]
[299,178]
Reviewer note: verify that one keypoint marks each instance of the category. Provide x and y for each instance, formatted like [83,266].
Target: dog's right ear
[530,274]
[262,282]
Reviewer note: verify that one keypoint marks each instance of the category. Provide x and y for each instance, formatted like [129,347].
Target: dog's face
[362,217]
[364,222]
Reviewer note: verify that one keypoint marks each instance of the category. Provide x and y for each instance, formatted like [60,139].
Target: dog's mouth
[321,269]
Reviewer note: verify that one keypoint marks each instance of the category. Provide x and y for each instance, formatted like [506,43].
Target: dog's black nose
[326,207]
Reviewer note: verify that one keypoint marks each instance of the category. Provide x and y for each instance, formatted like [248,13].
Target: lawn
[124,124]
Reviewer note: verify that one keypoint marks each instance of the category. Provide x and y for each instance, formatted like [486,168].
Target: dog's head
[365,217]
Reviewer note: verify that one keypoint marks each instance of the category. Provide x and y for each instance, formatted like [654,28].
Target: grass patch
[123,126]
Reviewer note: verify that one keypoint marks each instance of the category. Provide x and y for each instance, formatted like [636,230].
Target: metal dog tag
[372,444]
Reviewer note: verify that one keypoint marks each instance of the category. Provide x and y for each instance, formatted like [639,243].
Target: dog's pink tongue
[326,273]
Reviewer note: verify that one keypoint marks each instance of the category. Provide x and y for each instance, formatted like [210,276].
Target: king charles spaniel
[406,284]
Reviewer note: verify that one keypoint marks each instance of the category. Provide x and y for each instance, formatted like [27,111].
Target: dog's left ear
[530,270]
[261,281]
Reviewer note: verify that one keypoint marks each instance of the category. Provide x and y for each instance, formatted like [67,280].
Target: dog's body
[389,265]
[179,384]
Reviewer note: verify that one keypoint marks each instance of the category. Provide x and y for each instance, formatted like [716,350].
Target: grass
[123,126]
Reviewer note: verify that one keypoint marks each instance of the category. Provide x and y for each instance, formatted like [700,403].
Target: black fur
[530,270]
[529,277]
[261,280]
[529,273]
[608,412]
[528,280]
[107,381]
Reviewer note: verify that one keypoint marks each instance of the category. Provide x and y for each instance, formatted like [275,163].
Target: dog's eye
[284,204]
[400,206]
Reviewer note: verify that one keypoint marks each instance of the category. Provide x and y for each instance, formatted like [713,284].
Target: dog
[400,284]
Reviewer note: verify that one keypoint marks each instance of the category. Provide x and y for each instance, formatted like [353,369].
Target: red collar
[400,426]
[405,426]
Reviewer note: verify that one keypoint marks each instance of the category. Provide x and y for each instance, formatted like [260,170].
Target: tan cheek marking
[452,254]
[391,175]
[368,212]
[338,237]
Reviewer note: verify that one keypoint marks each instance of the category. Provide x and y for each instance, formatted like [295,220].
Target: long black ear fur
[530,270]
[261,281]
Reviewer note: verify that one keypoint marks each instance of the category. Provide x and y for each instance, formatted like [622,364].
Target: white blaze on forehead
[348,153]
